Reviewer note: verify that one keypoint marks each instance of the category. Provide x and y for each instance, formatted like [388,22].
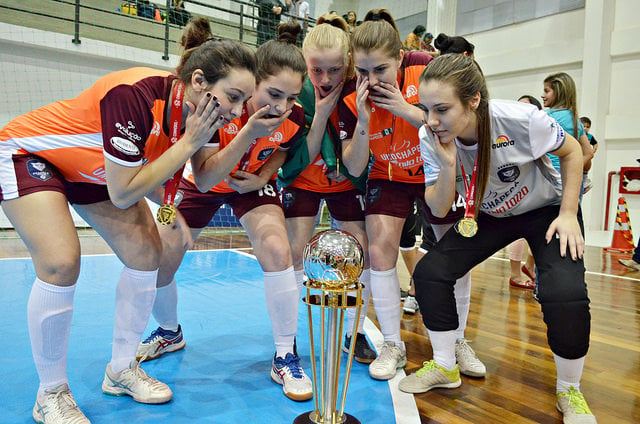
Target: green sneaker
[574,408]
[430,376]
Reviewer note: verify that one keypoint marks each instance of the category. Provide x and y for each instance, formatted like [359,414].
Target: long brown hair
[276,55]
[215,57]
[564,90]
[465,76]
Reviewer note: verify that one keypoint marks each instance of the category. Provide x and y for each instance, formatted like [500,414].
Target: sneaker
[288,372]
[630,263]
[391,358]
[362,352]
[159,342]
[587,185]
[403,294]
[469,363]
[57,406]
[430,376]
[574,408]
[410,305]
[134,382]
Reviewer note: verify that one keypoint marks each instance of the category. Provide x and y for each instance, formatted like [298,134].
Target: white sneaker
[390,358]
[295,383]
[134,382]
[430,376]
[410,305]
[57,406]
[159,342]
[574,408]
[469,363]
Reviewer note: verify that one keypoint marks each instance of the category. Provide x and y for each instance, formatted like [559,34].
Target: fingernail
[217,104]
[208,94]
[215,97]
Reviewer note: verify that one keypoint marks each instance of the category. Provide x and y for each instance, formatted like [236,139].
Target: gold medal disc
[166,214]
[467,227]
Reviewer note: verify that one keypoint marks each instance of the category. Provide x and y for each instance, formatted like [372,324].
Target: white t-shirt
[521,176]
[303,9]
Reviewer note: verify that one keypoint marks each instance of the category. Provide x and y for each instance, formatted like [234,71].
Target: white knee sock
[134,302]
[385,290]
[569,373]
[444,347]
[300,282]
[49,313]
[462,291]
[281,293]
[165,307]
[365,279]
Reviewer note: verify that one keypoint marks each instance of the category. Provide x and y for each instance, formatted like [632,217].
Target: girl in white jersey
[494,152]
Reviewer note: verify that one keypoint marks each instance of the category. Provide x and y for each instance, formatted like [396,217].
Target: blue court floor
[222,376]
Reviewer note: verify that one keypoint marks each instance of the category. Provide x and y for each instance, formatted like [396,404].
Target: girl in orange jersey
[271,122]
[313,170]
[380,116]
[103,152]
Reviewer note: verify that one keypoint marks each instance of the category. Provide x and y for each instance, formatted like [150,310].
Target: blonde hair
[331,31]
[378,31]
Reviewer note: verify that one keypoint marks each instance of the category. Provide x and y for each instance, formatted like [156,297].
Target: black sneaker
[363,352]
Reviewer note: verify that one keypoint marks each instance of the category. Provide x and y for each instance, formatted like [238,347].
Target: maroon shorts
[343,205]
[198,208]
[396,199]
[32,174]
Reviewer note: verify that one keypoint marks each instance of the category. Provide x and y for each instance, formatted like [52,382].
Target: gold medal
[467,227]
[166,214]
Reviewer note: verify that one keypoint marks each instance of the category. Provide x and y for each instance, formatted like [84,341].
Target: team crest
[508,173]
[288,199]
[39,170]
[373,194]
[264,154]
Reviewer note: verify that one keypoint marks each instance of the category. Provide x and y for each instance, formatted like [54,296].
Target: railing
[100,20]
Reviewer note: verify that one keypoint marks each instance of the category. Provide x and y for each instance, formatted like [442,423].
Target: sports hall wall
[596,44]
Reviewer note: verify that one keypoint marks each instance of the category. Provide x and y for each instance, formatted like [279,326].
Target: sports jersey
[521,177]
[392,140]
[260,150]
[121,117]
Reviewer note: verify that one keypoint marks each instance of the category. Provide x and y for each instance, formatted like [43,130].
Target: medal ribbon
[470,188]
[171,185]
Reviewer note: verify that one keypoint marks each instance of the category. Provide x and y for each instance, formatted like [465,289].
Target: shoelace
[387,355]
[152,336]
[426,367]
[292,363]
[576,400]
[466,351]
[65,404]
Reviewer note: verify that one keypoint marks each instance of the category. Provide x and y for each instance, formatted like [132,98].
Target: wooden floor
[508,334]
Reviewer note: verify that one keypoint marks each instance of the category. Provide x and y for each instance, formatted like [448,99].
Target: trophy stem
[331,368]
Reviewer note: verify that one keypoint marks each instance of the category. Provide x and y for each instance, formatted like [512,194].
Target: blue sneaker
[159,342]
[295,383]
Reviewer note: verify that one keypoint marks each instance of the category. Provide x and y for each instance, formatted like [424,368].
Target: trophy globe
[333,261]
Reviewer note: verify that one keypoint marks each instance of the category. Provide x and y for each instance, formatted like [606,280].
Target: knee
[275,255]
[63,270]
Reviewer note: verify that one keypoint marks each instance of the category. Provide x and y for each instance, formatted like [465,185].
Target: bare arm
[440,196]
[355,152]
[323,109]
[245,182]
[587,152]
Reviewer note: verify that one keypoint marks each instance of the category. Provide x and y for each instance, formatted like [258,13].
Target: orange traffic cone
[622,234]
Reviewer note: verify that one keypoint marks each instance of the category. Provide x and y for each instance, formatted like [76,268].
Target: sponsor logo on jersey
[125,146]
[502,141]
[99,175]
[231,129]
[39,170]
[508,173]
[156,128]
[343,134]
[560,132]
[265,153]
[411,91]
[128,131]
[276,137]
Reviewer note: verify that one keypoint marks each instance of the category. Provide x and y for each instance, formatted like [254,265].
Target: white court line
[601,274]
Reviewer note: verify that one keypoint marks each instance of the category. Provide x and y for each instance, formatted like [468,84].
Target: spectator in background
[634,262]
[269,12]
[412,42]
[456,44]
[587,127]
[178,15]
[426,44]
[352,20]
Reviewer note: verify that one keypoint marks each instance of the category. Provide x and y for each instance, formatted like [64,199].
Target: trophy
[333,261]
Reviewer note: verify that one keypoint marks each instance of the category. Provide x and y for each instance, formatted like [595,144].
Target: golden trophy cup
[333,261]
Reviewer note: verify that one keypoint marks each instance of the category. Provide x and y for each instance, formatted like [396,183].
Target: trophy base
[310,418]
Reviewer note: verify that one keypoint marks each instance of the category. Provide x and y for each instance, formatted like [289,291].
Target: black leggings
[561,286]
